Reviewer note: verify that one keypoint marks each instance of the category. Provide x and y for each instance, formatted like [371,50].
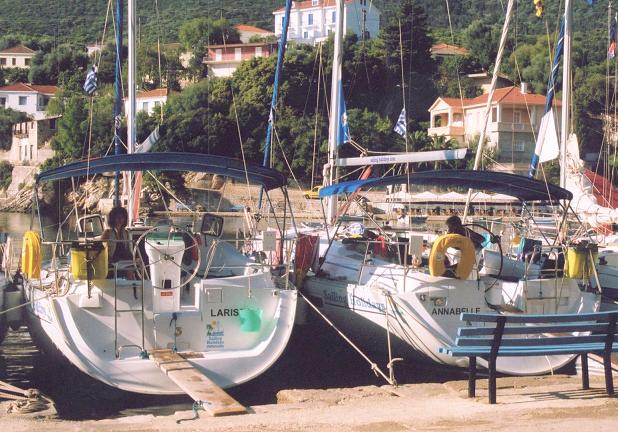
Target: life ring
[31,255]
[195,248]
[438,251]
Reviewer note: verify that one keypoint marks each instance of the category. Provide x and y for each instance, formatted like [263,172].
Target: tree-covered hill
[83,21]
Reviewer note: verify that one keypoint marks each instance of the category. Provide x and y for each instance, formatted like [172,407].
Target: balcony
[450,131]
[508,127]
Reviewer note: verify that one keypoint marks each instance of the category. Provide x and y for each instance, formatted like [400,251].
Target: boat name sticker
[454,310]
[224,313]
[352,300]
[215,334]
[40,310]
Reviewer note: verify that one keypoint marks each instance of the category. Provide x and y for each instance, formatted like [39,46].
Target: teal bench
[517,335]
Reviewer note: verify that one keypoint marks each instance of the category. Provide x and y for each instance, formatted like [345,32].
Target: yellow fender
[31,255]
[438,251]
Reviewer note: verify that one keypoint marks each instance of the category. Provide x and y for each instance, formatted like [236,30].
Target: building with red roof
[18,56]
[31,99]
[248,31]
[511,127]
[312,21]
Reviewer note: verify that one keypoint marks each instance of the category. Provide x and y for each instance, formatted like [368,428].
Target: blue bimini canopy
[190,162]
[523,188]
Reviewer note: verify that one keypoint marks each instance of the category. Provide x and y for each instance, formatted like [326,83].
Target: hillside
[82,21]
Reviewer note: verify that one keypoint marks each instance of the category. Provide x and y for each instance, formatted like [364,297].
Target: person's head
[117,218]
[453,222]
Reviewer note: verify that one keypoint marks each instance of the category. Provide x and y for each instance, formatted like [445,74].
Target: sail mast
[494,80]
[331,212]
[566,91]
[273,103]
[118,96]
[131,135]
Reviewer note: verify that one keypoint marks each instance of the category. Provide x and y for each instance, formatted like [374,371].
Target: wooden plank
[215,400]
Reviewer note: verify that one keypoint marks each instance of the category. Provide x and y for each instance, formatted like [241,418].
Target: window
[2,61]
[310,19]
[516,116]
[27,61]
[157,104]
[334,16]
[2,102]
[218,55]
[258,51]
[52,124]
[14,61]
[494,115]
[519,146]
[305,35]
[23,100]
[315,2]
[144,106]
[238,54]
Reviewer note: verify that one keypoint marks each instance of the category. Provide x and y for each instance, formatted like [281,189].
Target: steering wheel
[169,230]
[495,240]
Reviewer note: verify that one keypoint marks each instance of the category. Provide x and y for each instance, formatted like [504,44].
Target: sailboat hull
[423,313]
[210,333]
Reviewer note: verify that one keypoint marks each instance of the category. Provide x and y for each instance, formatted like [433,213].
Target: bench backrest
[520,330]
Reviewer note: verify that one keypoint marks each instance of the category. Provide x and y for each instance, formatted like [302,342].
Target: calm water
[316,357]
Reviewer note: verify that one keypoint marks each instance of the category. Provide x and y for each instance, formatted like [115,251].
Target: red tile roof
[30,88]
[506,95]
[153,93]
[446,49]
[250,28]
[308,4]
[19,49]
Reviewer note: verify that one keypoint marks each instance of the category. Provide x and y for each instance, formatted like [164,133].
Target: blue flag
[90,86]
[401,126]
[343,134]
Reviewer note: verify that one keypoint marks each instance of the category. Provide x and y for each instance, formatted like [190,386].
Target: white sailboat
[372,283]
[187,293]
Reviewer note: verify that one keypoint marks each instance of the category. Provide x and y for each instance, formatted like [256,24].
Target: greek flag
[400,126]
[90,86]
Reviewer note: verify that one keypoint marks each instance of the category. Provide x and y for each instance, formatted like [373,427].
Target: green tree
[8,118]
[482,41]
[65,65]
[6,173]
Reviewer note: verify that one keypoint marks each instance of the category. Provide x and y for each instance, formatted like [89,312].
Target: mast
[331,212]
[273,103]
[131,134]
[494,80]
[566,91]
[118,96]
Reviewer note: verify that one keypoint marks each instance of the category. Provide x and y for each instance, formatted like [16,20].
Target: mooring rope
[374,366]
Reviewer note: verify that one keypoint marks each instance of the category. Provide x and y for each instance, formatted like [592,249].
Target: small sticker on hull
[215,335]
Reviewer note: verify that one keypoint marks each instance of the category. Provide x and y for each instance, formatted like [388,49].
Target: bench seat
[521,335]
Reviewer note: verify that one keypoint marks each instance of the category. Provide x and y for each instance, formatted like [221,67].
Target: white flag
[547,145]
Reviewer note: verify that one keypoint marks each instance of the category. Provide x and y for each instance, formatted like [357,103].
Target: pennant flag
[611,51]
[343,134]
[401,126]
[90,86]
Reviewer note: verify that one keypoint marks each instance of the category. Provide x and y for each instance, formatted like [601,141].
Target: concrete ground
[551,403]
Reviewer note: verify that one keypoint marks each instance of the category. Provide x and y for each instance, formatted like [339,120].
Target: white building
[223,60]
[312,21]
[149,100]
[16,57]
[28,98]
[511,129]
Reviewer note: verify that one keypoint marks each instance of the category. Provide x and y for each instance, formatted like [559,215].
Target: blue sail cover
[190,162]
[520,187]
